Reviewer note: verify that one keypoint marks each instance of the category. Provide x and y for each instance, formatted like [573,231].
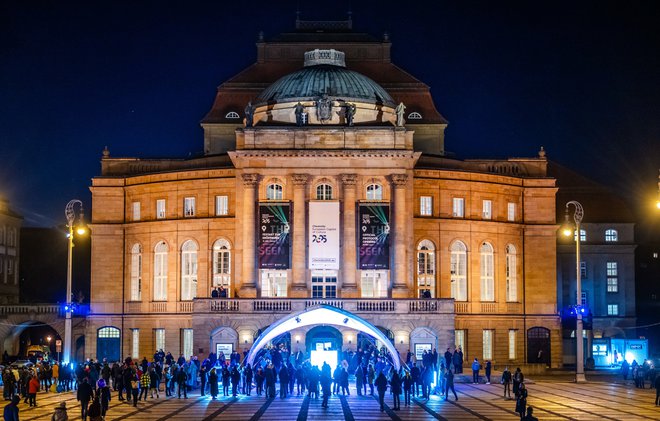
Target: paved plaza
[552,401]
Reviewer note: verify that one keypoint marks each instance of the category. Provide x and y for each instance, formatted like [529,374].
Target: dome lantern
[331,57]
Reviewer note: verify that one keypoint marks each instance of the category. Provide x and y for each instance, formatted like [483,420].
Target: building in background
[10,228]
[318,189]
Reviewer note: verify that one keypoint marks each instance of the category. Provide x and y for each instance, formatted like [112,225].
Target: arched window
[611,235]
[232,114]
[487,273]
[426,269]
[188,270]
[274,192]
[458,271]
[324,192]
[136,272]
[414,116]
[511,274]
[374,192]
[222,264]
[160,272]
[583,235]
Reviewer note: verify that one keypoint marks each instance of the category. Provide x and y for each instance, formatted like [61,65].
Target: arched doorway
[538,345]
[324,345]
[108,344]
[31,338]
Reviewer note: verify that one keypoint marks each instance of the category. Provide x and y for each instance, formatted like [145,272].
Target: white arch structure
[321,315]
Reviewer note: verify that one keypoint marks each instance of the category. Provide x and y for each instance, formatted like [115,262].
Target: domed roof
[318,77]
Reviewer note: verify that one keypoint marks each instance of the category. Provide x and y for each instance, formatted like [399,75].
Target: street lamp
[567,231]
[69,212]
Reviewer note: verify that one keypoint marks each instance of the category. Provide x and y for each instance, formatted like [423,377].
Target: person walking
[657,390]
[521,400]
[381,387]
[84,395]
[475,371]
[488,369]
[407,388]
[154,381]
[33,388]
[518,379]
[326,388]
[506,381]
[60,413]
[395,387]
[135,385]
[10,412]
[449,384]
[103,391]
[213,383]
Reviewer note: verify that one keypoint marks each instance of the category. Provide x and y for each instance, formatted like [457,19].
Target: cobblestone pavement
[551,400]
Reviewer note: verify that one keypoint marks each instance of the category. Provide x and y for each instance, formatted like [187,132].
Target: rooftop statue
[299,109]
[249,114]
[400,110]
[350,113]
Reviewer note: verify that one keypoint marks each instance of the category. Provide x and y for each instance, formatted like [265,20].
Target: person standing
[475,371]
[326,387]
[488,369]
[518,379]
[506,381]
[395,387]
[213,383]
[657,390]
[135,384]
[344,382]
[202,379]
[10,412]
[60,413]
[284,381]
[181,379]
[448,358]
[381,387]
[407,388]
[259,380]
[416,374]
[449,382]
[371,376]
[103,391]
[154,381]
[521,400]
[33,388]
[235,378]
[247,387]
[84,395]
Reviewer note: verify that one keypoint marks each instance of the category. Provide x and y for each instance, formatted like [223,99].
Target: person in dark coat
[300,380]
[416,375]
[395,387]
[270,376]
[381,387]
[181,378]
[226,376]
[530,416]
[407,388]
[521,400]
[506,381]
[518,379]
[10,412]
[84,395]
[344,382]
[326,387]
[489,366]
[213,383]
[202,379]
[448,357]
[449,383]
[247,373]
[657,390]
[235,379]
[259,380]
[103,392]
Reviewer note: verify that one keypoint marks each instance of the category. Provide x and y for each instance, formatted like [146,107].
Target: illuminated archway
[321,315]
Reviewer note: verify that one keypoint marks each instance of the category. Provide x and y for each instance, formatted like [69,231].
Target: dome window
[232,114]
[414,116]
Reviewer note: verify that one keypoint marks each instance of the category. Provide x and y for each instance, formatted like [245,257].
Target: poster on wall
[226,349]
[419,350]
[274,237]
[323,235]
[374,236]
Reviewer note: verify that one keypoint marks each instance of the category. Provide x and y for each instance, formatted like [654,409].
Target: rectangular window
[426,205]
[458,207]
[612,277]
[583,270]
[511,211]
[459,335]
[373,284]
[136,211]
[187,342]
[273,283]
[487,208]
[583,299]
[10,266]
[221,205]
[135,343]
[612,309]
[511,278]
[159,336]
[512,344]
[160,209]
[488,344]
[189,206]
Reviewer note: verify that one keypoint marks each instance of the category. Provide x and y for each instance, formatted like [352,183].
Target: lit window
[583,299]
[426,269]
[488,344]
[135,343]
[160,208]
[511,211]
[459,339]
[414,116]
[189,206]
[426,205]
[511,274]
[188,270]
[221,205]
[160,272]
[324,284]
[611,235]
[374,192]
[136,211]
[458,207]
[612,277]
[273,283]
[136,273]
[373,284]
[487,209]
[274,192]
[512,344]
[232,114]
[612,309]
[583,235]
[222,264]
[10,266]
[458,271]
[159,336]
[655,255]
[324,192]
[187,342]
[487,273]
[108,332]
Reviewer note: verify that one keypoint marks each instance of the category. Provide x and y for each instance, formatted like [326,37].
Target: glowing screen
[319,357]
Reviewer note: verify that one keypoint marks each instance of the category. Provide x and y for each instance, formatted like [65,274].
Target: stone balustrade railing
[81,310]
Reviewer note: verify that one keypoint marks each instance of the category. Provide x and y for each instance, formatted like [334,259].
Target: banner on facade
[274,237]
[323,235]
[373,236]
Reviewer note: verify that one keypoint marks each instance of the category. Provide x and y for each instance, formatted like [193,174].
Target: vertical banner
[373,236]
[274,238]
[323,235]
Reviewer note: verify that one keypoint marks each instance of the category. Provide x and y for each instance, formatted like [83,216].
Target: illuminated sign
[274,235]
[323,235]
[374,236]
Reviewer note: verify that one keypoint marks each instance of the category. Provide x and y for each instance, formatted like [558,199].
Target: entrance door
[107,344]
[538,345]
[324,345]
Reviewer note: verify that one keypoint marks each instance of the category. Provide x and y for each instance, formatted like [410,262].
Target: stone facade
[10,229]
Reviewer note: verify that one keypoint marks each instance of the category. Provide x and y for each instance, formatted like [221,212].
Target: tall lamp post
[567,231]
[69,212]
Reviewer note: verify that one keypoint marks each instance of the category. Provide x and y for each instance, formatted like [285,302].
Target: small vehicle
[38,352]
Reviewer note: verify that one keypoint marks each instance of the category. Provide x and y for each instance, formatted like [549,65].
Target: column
[299,285]
[348,265]
[398,270]
[249,281]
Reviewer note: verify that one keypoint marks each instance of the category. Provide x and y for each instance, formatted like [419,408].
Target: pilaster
[348,282]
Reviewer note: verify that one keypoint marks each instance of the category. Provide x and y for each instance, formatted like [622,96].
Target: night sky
[580,78]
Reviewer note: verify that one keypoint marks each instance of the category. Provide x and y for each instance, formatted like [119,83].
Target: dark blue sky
[580,78]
